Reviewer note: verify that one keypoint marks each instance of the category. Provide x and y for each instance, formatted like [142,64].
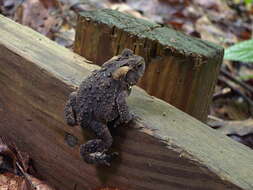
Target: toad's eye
[127,53]
[139,65]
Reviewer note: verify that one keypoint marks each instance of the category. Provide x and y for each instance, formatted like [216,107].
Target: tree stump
[181,70]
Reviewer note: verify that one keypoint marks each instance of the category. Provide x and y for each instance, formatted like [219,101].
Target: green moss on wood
[171,39]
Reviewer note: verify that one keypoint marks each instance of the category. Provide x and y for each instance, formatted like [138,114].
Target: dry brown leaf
[14,166]
[37,15]
[212,33]
[8,157]
[38,184]
[49,3]
[240,128]
[151,9]
[231,108]
[122,7]
[65,36]
[241,131]
[215,5]
[10,181]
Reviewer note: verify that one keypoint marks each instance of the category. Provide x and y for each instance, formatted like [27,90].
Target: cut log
[181,70]
[164,149]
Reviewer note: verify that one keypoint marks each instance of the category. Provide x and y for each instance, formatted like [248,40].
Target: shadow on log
[165,149]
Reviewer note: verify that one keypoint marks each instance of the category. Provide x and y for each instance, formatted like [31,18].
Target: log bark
[181,70]
[164,149]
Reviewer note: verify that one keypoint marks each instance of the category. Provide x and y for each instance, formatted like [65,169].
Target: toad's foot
[99,158]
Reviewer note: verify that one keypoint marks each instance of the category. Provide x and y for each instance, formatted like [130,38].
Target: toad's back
[96,98]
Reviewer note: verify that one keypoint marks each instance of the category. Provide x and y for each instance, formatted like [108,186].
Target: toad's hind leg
[69,110]
[94,151]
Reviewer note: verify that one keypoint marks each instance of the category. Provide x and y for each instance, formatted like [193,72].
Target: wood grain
[164,149]
[181,70]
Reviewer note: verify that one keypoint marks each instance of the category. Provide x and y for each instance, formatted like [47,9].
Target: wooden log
[164,149]
[181,70]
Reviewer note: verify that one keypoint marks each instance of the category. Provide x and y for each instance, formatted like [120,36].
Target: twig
[222,94]
[26,176]
[250,102]
[235,80]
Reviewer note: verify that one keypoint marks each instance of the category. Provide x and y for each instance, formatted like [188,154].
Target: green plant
[242,51]
[248,1]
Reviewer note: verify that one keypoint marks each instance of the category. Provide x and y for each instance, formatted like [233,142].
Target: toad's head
[130,67]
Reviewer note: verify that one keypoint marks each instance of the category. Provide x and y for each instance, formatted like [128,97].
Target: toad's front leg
[94,151]
[124,115]
[69,110]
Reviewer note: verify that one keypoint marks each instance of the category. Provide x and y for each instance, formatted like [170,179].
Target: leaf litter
[16,170]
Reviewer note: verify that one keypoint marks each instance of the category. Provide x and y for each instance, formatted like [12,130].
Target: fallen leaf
[38,184]
[50,3]
[38,15]
[65,37]
[8,7]
[122,7]
[10,181]
[240,128]
[241,131]
[212,33]
[232,107]
[8,158]
[14,168]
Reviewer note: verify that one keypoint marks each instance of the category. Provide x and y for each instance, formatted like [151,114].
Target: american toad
[100,100]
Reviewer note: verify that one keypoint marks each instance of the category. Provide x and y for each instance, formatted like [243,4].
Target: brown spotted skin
[100,99]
